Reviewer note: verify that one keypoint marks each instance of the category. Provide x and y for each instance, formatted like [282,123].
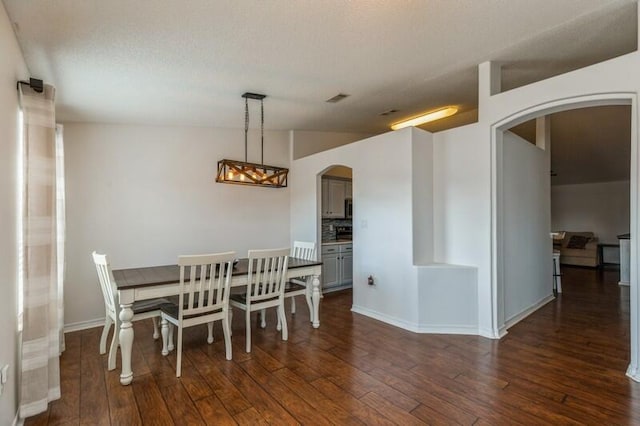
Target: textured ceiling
[587,145]
[187,63]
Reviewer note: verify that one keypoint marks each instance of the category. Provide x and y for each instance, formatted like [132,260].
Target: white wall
[602,208]
[382,222]
[145,195]
[12,69]
[422,197]
[527,249]
[306,142]
[447,296]
[462,209]
[393,233]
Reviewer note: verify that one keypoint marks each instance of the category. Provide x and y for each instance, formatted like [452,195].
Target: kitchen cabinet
[337,266]
[334,192]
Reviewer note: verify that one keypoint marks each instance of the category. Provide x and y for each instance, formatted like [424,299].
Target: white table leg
[308,297]
[126,343]
[316,301]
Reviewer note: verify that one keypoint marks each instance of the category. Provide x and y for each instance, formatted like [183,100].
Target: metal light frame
[245,173]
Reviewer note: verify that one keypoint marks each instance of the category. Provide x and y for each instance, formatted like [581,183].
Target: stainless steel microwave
[348,208]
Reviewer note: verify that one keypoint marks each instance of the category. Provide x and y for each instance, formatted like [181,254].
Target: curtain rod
[34,83]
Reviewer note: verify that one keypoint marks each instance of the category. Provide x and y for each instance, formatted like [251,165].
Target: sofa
[578,248]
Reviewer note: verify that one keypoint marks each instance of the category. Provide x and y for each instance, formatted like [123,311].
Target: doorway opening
[503,222]
[335,228]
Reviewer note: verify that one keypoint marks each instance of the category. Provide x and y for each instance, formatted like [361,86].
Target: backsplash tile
[329,234]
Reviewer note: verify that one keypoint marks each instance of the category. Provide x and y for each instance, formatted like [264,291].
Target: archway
[497,207]
[335,227]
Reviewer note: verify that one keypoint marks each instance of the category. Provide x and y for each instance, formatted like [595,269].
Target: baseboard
[531,309]
[632,373]
[336,288]
[83,325]
[413,327]
[17,421]
[491,334]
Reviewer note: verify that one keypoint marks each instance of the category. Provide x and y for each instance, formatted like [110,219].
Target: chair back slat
[107,282]
[267,274]
[304,250]
[204,283]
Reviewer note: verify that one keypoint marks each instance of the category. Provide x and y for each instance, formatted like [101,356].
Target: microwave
[348,208]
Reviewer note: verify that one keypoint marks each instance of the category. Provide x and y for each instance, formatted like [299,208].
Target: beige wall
[147,194]
[304,143]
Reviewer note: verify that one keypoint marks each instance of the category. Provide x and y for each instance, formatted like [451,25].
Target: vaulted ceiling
[173,62]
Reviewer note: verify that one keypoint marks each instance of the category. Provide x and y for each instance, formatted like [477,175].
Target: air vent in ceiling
[388,112]
[337,98]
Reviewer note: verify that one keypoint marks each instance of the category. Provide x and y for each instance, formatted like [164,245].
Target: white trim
[624,283]
[489,333]
[83,325]
[413,327]
[528,311]
[337,288]
[17,421]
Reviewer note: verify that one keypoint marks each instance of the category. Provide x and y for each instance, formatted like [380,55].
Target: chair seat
[144,306]
[173,311]
[242,298]
[291,287]
[239,297]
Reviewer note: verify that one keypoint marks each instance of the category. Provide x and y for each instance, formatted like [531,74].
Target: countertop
[332,242]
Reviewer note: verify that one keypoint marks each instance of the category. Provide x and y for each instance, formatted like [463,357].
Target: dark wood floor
[565,364]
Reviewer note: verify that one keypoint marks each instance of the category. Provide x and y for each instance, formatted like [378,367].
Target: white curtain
[42,200]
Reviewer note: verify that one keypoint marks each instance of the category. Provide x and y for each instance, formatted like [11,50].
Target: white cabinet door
[325,198]
[347,267]
[330,270]
[336,198]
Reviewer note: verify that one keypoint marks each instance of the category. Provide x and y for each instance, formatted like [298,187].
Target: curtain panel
[42,322]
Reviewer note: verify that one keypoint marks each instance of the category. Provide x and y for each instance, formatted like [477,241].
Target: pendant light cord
[246,126]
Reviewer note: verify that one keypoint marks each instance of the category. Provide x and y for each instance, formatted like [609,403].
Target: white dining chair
[297,286]
[141,310]
[267,274]
[205,282]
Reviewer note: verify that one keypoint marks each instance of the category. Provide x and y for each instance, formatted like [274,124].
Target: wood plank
[213,412]
[94,407]
[152,407]
[389,410]
[180,406]
[295,398]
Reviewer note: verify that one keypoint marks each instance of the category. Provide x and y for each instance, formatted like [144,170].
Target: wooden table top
[166,274]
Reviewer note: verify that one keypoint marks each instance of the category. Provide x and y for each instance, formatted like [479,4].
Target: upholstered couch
[579,248]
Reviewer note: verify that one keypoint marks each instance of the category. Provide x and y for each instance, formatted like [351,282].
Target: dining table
[135,284]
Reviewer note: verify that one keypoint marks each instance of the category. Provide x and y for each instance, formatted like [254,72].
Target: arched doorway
[497,207]
[335,227]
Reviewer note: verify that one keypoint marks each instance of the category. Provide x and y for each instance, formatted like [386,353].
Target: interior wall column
[543,132]
[489,84]
[490,300]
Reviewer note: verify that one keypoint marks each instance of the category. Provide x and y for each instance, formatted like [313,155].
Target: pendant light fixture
[245,173]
